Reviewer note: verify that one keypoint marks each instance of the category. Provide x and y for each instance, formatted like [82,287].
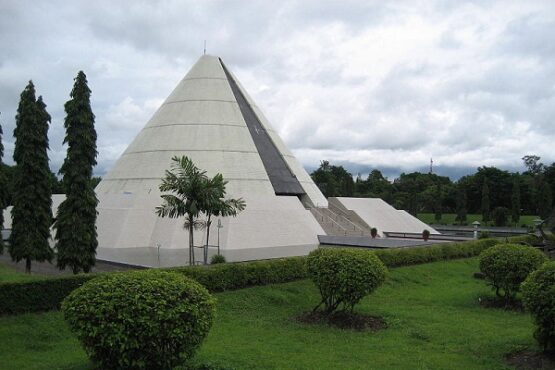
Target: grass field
[449,219]
[9,274]
[432,311]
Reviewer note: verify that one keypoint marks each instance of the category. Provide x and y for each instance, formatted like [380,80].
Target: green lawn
[449,219]
[9,274]
[432,310]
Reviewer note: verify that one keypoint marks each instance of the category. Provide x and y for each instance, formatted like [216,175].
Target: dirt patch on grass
[495,302]
[344,320]
[531,360]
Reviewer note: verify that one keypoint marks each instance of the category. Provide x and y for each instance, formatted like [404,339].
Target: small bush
[426,234]
[344,276]
[140,319]
[217,258]
[507,265]
[538,295]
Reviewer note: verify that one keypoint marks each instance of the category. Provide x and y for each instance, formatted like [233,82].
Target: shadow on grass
[343,320]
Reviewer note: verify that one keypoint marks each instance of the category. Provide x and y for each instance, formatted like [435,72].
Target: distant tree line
[488,191]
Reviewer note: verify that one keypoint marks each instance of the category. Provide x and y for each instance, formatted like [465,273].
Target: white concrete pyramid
[210,118]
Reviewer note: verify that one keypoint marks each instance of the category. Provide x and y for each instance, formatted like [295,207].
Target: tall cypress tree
[485,202]
[461,205]
[515,201]
[3,185]
[32,198]
[545,199]
[75,222]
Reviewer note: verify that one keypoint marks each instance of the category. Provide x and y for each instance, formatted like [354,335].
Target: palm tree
[194,193]
[217,206]
[189,187]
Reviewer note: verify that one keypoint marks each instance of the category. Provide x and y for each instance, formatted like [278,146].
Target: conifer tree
[545,199]
[32,198]
[515,202]
[75,222]
[485,202]
[461,205]
[3,185]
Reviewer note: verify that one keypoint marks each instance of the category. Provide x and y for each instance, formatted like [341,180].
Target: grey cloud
[532,35]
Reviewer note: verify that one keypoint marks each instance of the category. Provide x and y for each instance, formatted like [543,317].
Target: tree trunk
[191,242]
[28,265]
[208,223]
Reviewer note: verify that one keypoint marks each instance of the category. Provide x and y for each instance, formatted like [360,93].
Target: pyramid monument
[210,118]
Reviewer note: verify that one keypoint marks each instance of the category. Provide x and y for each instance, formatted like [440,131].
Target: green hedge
[437,252]
[43,295]
[231,276]
[39,295]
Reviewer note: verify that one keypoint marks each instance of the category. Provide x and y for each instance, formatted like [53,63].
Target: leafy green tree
[32,198]
[75,222]
[515,202]
[216,205]
[333,181]
[497,179]
[533,164]
[485,202]
[461,205]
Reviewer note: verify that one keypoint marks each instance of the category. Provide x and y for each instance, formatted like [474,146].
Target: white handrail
[331,219]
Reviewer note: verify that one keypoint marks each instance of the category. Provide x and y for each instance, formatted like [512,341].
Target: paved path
[45,268]
[378,243]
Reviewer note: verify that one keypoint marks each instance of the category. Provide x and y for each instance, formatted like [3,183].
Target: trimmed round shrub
[507,265]
[538,295]
[344,276]
[140,319]
[217,258]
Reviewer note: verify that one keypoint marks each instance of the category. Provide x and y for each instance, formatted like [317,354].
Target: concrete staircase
[335,223]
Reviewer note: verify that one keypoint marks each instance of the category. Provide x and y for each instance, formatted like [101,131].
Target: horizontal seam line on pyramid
[190,150]
[205,78]
[159,178]
[191,100]
[196,124]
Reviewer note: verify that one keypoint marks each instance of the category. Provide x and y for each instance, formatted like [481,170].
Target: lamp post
[476,226]
[158,245]
[219,227]
[538,222]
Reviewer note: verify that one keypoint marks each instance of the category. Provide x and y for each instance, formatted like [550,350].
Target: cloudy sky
[366,84]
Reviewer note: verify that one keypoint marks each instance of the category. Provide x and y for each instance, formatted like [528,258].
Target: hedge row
[436,252]
[231,276]
[38,295]
[47,294]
